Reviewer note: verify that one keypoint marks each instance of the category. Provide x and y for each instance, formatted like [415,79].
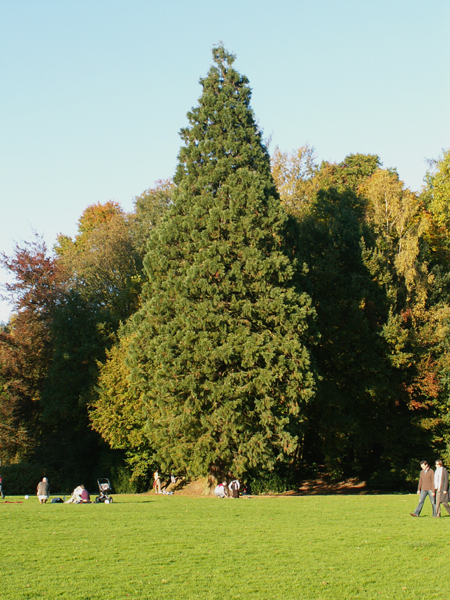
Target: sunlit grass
[173,547]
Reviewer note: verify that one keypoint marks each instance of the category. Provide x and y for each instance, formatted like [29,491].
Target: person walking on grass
[441,486]
[1,488]
[426,488]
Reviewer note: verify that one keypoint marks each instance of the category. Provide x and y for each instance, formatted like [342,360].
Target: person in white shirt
[441,486]
[156,482]
[221,490]
[76,495]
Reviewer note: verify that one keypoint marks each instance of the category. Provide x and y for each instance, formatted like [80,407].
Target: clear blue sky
[93,93]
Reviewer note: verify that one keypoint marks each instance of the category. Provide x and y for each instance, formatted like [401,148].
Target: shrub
[273,482]
[22,478]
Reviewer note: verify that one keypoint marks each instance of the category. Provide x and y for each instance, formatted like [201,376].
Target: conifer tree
[219,351]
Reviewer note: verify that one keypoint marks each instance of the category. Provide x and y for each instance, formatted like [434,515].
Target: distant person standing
[441,486]
[1,488]
[157,482]
[43,490]
[425,488]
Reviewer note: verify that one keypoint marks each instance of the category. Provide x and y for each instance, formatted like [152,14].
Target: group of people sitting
[228,491]
[79,495]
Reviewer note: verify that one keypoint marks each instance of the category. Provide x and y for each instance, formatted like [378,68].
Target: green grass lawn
[158,547]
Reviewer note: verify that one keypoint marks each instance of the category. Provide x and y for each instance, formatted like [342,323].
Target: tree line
[257,316]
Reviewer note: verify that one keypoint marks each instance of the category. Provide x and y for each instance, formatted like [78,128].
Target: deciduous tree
[118,412]
[26,343]
[149,210]
[293,173]
[101,263]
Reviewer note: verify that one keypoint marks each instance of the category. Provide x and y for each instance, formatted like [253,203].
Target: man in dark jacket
[426,488]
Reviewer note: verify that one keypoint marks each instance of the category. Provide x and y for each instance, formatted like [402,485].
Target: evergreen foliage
[219,350]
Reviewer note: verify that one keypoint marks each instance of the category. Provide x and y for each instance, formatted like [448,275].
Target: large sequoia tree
[219,350]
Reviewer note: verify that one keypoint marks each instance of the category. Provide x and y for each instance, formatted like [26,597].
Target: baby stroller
[104,489]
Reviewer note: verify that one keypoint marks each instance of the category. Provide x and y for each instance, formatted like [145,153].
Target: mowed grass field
[175,547]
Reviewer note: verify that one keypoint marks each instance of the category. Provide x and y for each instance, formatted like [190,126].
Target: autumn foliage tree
[26,343]
[293,173]
[102,263]
[117,412]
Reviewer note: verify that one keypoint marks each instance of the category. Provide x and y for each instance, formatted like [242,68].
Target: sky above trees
[95,93]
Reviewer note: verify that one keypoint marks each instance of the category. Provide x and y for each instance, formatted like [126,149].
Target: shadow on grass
[325,485]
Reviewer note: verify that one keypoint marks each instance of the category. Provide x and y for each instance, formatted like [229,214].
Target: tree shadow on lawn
[325,485]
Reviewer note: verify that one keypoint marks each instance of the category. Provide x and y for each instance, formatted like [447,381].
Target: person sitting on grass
[43,491]
[76,495]
[221,490]
[85,497]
